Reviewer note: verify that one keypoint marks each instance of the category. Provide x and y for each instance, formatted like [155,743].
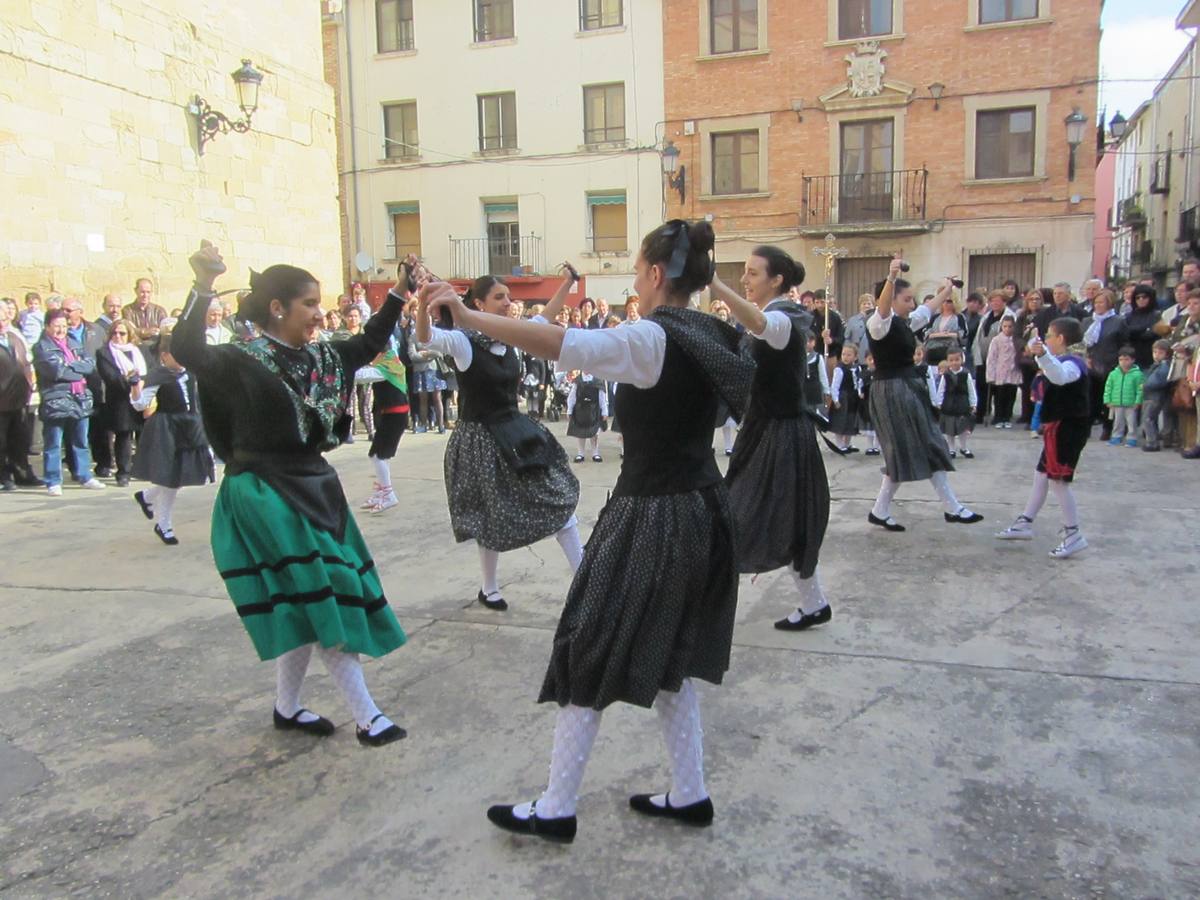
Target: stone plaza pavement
[977,720]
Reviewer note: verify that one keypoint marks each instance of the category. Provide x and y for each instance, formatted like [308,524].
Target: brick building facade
[936,128]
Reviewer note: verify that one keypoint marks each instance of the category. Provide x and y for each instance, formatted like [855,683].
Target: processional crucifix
[830,254]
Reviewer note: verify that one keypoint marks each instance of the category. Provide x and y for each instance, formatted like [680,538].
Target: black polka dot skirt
[500,508]
[653,602]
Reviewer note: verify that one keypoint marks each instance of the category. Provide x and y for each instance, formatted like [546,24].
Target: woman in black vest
[587,410]
[652,606]
[913,447]
[499,497]
[778,489]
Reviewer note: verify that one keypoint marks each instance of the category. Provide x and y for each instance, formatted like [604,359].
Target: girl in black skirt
[508,481]
[172,450]
[652,605]
[778,489]
[587,410]
[390,411]
[845,393]
[901,410]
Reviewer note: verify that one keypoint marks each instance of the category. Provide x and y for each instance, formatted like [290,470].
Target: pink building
[1102,239]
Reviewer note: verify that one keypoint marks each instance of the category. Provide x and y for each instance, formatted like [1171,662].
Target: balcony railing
[1130,212]
[872,198]
[473,257]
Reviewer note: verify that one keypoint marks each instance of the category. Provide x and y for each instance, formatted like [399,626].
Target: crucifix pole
[830,254]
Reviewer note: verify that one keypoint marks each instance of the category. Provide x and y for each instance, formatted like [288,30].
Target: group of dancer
[652,598]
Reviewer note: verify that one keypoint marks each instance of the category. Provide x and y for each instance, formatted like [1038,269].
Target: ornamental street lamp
[1076,123]
[210,122]
[1116,126]
[670,163]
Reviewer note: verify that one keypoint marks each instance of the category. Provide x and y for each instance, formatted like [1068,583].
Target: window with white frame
[594,14]
[607,213]
[493,20]
[1005,142]
[498,121]
[860,19]
[603,113]
[733,26]
[405,221]
[400,130]
[394,25]
[735,168]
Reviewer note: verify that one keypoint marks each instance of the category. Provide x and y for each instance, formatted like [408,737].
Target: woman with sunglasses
[122,369]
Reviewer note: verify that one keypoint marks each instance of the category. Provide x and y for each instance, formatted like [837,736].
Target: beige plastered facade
[99,157]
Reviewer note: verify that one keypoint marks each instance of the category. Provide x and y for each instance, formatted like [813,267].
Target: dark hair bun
[781,263]
[699,267]
[279,282]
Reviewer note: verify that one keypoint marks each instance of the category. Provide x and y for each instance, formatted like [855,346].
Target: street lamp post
[211,122]
[1116,126]
[1076,122]
[670,165]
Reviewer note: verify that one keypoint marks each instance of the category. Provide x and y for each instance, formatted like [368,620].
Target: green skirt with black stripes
[293,583]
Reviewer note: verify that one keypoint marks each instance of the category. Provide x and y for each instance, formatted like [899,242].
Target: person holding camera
[122,369]
[292,558]
[913,446]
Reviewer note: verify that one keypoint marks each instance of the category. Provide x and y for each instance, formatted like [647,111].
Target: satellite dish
[363,261]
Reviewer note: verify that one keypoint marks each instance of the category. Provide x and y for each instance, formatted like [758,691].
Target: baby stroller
[559,392]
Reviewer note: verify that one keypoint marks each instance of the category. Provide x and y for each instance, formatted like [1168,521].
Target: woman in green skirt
[283,539]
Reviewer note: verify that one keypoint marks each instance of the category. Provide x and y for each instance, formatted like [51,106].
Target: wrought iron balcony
[500,255]
[1130,212]
[872,201]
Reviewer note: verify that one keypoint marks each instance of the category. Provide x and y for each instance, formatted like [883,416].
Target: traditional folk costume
[587,408]
[913,447]
[846,392]
[508,481]
[172,451]
[652,606]
[956,400]
[387,376]
[778,489]
[1066,426]
[867,374]
[283,539]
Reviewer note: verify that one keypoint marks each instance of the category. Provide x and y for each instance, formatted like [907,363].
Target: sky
[1140,41]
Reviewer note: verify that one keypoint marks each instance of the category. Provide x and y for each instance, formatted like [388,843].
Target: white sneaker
[1020,530]
[375,492]
[1072,543]
[54,490]
[93,485]
[385,500]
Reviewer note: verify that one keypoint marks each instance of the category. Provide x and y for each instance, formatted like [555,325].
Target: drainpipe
[353,168]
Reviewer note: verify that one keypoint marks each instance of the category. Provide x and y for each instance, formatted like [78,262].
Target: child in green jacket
[1123,395]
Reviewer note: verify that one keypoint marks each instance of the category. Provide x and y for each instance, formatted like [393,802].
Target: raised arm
[752,318]
[360,349]
[550,311]
[538,338]
[187,337]
[883,306]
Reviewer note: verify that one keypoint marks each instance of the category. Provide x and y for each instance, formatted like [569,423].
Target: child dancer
[391,410]
[1066,425]
[1123,395]
[587,410]
[845,393]
[172,450]
[867,374]
[816,384]
[957,401]
[1003,374]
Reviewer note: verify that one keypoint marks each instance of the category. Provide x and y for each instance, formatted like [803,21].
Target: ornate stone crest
[865,69]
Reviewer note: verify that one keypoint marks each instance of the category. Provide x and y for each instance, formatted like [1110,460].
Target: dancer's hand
[436,296]
[895,267]
[207,264]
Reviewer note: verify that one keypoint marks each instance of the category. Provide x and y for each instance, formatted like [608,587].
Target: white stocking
[582,445]
[164,505]
[347,674]
[383,472]
[812,598]
[572,546]
[679,716]
[870,436]
[575,730]
[1066,499]
[489,562]
[289,678]
[596,445]
[962,441]
[883,503]
[1037,497]
[941,484]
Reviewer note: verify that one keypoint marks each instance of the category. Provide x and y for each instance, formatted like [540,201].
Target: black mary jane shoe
[699,813]
[729,453]
[322,727]
[967,454]
[889,523]
[392,733]
[147,509]
[807,620]
[498,604]
[579,458]
[872,451]
[560,831]
[597,458]
[169,539]
[959,519]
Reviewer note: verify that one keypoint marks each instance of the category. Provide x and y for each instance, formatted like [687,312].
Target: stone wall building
[936,128]
[99,154]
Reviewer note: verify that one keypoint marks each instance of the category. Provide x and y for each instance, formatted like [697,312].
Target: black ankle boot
[699,813]
[561,831]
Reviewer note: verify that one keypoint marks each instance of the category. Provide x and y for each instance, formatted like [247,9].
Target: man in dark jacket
[1062,307]
[1104,337]
[837,328]
[16,388]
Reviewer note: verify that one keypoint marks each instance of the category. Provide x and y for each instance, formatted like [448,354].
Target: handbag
[1182,399]
[522,442]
